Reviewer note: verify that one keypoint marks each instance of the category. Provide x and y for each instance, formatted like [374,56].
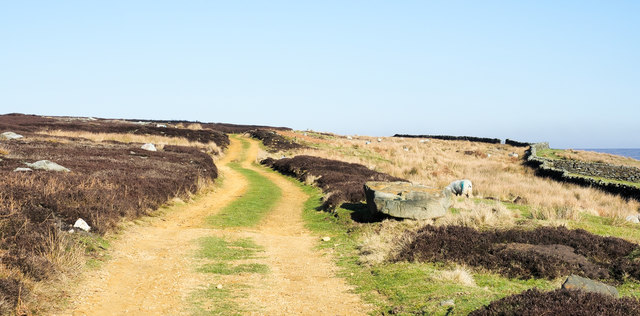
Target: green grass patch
[222,253]
[607,226]
[217,248]
[607,180]
[228,269]
[550,153]
[214,301]
[248,210]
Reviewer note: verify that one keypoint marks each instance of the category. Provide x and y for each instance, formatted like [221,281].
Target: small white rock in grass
[149,147]
[349,138]
[379,140]
[326,238]
[10,136]
[367,142]
[22,170]
[219,286]
[81,224]
[633,219]
[513,155]
[422,141]
[46,165]
[448,303]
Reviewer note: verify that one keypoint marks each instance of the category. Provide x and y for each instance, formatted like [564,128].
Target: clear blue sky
[567,72]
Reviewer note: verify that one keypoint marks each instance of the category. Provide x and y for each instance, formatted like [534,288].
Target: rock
[513,155]
[379,140]
[81,224]
[22,169]
[633,219]
[574,282]
[161,125]
[448,303]
[326,238]
[349,138]
[10,136]
[422,141]
[406,200]
[219,286]
[149,147]
[71,231]
[47,165]
[367,142]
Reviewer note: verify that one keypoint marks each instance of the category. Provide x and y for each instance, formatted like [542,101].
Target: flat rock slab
[406,200]
[575,282]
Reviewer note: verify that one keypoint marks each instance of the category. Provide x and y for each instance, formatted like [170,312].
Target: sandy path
[302,281]
[151,271]
[152,266]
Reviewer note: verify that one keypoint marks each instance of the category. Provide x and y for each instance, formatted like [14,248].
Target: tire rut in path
[152,267]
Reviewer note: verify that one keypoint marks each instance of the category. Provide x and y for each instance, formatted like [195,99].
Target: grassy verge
[550,153]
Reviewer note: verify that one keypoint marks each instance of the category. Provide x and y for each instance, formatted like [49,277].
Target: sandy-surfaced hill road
[153,270]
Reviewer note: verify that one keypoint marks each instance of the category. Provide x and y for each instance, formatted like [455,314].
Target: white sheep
[461,187]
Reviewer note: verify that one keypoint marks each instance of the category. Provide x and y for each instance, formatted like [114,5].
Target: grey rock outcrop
[9,136]
[406,200]
[149,147]
[574,282]
[46,165]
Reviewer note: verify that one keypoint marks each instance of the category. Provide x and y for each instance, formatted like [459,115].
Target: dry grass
[460,275]
[159,141]
[386,240]
[493,172]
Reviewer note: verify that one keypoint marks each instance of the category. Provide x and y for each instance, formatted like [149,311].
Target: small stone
[219,286]
[22,170]
[71,231]
[81,224]
[448,303]
[367,142]
[379,140]
[149,147]
[633,219]
[326,238]
[349,137]
[422,141]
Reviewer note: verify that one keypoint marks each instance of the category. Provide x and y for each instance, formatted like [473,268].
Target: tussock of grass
[223,250]
[247,211]
[214,301]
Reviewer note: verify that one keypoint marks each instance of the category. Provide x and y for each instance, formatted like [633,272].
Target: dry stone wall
[565,171]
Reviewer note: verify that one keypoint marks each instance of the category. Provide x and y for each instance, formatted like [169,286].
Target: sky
[566,72]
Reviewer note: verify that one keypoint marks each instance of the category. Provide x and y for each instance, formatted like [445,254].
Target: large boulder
[574,282]
[407,200]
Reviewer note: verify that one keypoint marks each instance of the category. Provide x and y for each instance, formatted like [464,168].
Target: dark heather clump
[274,141]
[107,181]
[340,181]
[12,291]
[31,123]
[560,302]
[545,252]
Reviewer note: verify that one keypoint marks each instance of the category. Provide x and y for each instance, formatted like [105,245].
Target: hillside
[209,231]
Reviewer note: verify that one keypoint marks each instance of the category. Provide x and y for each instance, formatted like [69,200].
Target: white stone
[514,155]
[161,125]
[10,135]
[219,286]
[149,147]
[367,142]
[326,238]
[46,165]
[422,141]
[633,219]
[379,140]
[81,224]
[447,303]
[349,137]
[22,169]
[71,231]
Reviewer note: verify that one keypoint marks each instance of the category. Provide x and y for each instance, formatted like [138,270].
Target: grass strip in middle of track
[260,197]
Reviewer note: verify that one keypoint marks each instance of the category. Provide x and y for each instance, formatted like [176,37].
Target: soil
[152,266]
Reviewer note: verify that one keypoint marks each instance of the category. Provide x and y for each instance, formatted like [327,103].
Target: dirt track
[152,270]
